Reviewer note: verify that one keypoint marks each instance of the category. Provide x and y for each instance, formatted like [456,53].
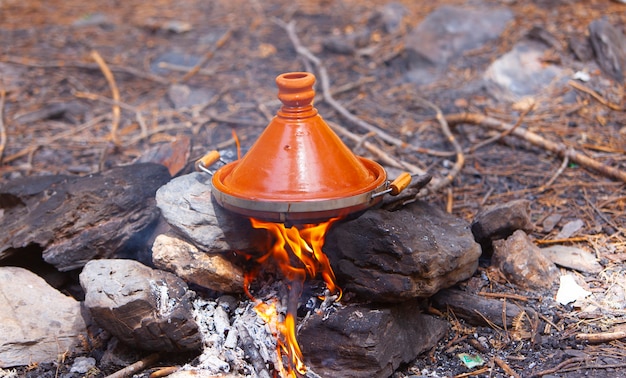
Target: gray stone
[210,270]
[395,256]
[146,308]
[523,263]
[523,72]
[187,205]
[361,341]
[447,33]
[37,322]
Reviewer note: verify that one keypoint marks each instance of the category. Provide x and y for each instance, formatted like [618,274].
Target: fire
[297,253]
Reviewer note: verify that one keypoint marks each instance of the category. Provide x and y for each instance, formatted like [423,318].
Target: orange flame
[297,253]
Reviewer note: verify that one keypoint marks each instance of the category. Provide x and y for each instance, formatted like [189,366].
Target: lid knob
[295,89]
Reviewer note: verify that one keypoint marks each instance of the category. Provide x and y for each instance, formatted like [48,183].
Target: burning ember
[296,252]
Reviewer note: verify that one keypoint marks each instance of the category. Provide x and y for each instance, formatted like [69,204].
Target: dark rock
[37,322]
[360,341]
[144,308]
[523,263]
[76,219]
[475,309]
[447,33]
[609,46]
[394,256]
[499,221]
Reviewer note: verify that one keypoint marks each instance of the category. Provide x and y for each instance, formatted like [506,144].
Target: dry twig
[137,366]
[559,366]
[596,96]
[3,132]
[460,158]
[555,175]
[115,120]
[518,297]
[504,366]
[539,141]
[290,28]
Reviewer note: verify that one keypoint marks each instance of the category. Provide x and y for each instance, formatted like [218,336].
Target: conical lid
[297,158]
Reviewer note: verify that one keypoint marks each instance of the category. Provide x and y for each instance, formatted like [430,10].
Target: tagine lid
[298,157]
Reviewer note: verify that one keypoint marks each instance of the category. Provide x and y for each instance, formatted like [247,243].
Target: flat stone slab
[187,205]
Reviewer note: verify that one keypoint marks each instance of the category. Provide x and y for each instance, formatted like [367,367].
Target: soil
[59,113]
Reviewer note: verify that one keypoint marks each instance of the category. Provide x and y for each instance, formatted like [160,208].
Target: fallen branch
[137,366]
[603,337]
[115,120]
[558,148]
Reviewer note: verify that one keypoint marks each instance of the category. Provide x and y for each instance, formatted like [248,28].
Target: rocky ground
[498,101]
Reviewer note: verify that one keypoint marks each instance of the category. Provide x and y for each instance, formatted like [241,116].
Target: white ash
[236,340]
[165,304]
[223,345]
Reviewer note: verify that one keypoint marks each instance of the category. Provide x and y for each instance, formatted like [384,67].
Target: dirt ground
[63,112]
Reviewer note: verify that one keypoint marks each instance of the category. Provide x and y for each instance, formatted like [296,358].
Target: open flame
[297,253]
